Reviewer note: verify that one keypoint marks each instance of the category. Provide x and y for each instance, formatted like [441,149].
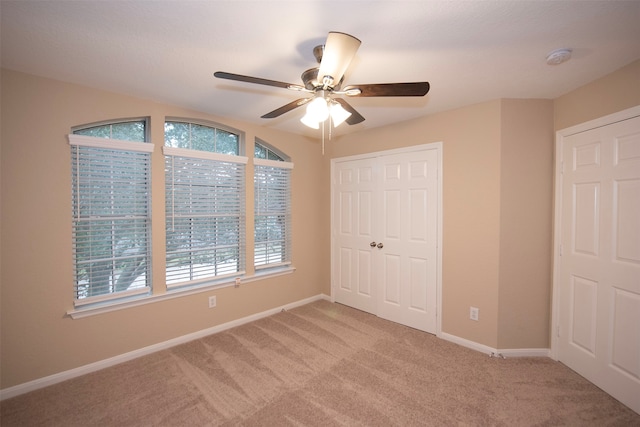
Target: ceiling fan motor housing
[310,78]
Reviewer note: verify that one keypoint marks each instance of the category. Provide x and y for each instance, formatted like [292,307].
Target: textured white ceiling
[469,51]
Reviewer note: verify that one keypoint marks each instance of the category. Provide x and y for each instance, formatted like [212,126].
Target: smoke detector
[558,56]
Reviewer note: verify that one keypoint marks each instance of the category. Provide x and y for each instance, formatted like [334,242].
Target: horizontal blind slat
[111,218]
[272,223]
[205,217]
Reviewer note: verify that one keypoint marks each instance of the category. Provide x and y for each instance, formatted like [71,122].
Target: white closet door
[385,232]
[407,230]
[599,283]
[354,192]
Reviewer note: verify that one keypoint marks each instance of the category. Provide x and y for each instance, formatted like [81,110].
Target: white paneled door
[354,246]
[599,275]
[385,235]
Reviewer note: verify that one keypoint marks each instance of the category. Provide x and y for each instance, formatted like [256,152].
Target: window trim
[273,163]
[117,144]
[207,155]
[116,305]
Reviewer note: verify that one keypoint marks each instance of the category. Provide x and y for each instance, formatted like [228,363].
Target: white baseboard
[526,352]
[467,343]
[96,366]
[518,352]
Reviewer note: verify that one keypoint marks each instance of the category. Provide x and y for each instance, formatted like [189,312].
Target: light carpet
[322,364]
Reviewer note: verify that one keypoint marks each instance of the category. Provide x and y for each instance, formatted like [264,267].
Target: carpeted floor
[322,364]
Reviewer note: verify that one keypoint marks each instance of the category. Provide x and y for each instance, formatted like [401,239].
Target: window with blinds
[272,203]
[205,205]
[111,215]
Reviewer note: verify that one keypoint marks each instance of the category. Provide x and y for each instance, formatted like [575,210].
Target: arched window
[205,203]
[111,204]
[263,150]
[272,195]
[209,137]
[126,130]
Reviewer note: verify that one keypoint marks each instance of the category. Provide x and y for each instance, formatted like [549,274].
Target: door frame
[557,218]
[438,146]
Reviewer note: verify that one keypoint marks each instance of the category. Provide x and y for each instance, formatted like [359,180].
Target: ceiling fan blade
[339,50]
[286,108]
[355,117]
[388,89]
[257,80]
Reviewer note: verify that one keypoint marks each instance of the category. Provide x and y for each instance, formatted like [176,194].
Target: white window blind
[272,192]
[205,202]
[111,218]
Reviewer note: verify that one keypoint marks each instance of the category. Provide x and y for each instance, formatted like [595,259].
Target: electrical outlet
[212,301]
[474,313]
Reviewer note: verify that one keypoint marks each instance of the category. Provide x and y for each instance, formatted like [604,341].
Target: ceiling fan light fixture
[318,110]
[338,113]
[309,121]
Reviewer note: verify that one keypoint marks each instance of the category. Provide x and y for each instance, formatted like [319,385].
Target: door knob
[372,244]
[380,245]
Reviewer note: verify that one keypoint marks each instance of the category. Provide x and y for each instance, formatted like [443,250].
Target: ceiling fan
[323,83]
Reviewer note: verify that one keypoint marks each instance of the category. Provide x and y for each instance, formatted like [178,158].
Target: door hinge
[558,331]
[560,249]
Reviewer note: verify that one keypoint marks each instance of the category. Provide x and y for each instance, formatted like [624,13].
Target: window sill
[79,313]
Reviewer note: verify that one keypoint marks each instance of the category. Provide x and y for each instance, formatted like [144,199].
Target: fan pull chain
[330,127]
[323,138]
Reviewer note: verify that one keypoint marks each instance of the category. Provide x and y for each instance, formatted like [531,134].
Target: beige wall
[36,283]
[471,192]
[525,223]
[496,214]
[615,92]
[497,197]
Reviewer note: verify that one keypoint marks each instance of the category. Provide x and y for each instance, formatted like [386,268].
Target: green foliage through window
[263,151]
[124,131]
[199,137]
